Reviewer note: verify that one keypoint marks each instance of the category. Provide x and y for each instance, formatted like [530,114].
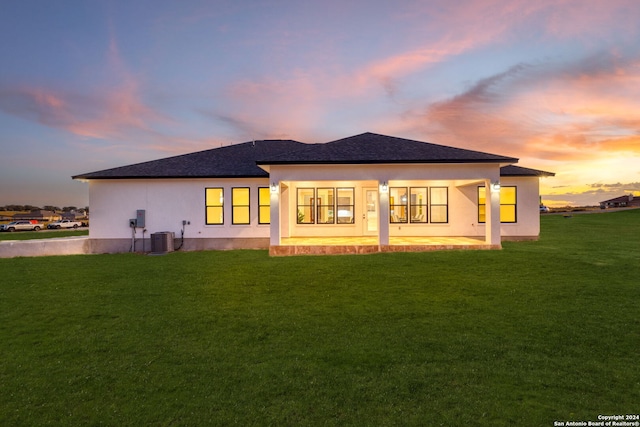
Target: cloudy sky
[91,84]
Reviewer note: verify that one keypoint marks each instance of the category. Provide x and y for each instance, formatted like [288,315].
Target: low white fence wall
[45,247]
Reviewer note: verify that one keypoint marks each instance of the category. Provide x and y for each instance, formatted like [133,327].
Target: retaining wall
[45,247]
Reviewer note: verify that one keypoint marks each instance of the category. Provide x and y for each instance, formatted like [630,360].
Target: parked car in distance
[64,223]
[544,209]
[21,226]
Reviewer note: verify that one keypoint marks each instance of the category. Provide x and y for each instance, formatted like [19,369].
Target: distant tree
[51,208]
[69,209]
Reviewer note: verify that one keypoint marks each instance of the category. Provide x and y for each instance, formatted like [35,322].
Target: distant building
[73,215]
[39,215]
[626,201]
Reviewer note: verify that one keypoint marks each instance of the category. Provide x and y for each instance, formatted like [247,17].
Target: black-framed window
[240,206]
[345,205]
[508,204]
[305,204]
[418,205]
[214,205]
[264,205]
[398,204]
[325,205]
[439,205]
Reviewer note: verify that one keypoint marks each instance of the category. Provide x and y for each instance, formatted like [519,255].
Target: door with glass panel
[370,215]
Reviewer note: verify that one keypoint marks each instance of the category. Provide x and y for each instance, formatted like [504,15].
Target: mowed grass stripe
[537,332]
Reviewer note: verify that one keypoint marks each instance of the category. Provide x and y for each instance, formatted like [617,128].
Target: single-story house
[621,202]
[39,215]
[72,215]
[361,194]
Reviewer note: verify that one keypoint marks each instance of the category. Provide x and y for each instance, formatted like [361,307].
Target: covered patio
[369,244]
[371,193]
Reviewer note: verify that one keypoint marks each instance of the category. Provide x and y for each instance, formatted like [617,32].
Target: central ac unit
[162,242]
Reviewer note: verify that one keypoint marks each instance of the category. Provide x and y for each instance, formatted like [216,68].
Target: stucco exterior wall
[527,209]
[168,202]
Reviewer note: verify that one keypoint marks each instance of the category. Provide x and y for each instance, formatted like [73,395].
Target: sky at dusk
[88,85]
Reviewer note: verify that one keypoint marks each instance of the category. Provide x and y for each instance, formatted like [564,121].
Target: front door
[370,215]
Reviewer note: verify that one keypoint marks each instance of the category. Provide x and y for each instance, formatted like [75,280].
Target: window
[398,204]
[306,203]
[418,204]
[240,206]
[508,204]
[214,204]
[482,204]
[324,203]
[264,205]
[439,204]
[345,206]
[422,205]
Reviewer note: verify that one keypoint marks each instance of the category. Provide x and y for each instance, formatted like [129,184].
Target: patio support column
[383,217]
[492,212]
[274,205]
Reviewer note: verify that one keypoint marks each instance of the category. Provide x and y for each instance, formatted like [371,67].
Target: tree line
[30,208]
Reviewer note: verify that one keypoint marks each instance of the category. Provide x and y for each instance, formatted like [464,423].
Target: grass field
[538,332]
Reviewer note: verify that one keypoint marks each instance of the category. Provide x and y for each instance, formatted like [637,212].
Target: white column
[274,228]
[492,213]
[383,215]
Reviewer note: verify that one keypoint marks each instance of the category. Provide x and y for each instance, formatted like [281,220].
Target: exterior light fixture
[274,188]
[384,187]
[495,186]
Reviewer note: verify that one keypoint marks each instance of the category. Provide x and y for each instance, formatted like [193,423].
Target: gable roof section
[512,170]
[243,160]
[233,161]
[371,148]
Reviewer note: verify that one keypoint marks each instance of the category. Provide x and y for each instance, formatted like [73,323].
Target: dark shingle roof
[370,148]
[233,161]
[513,170]
[242,160]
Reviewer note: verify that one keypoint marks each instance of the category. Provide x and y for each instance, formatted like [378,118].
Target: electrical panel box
[140,214]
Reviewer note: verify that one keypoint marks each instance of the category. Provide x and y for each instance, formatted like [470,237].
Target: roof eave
[88,178]
[506,161]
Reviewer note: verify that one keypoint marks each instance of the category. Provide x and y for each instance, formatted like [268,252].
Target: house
[365,193]
[39,215]
[621,202]
[72,215]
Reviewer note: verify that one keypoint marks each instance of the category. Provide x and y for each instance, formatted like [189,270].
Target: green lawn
[538,332]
